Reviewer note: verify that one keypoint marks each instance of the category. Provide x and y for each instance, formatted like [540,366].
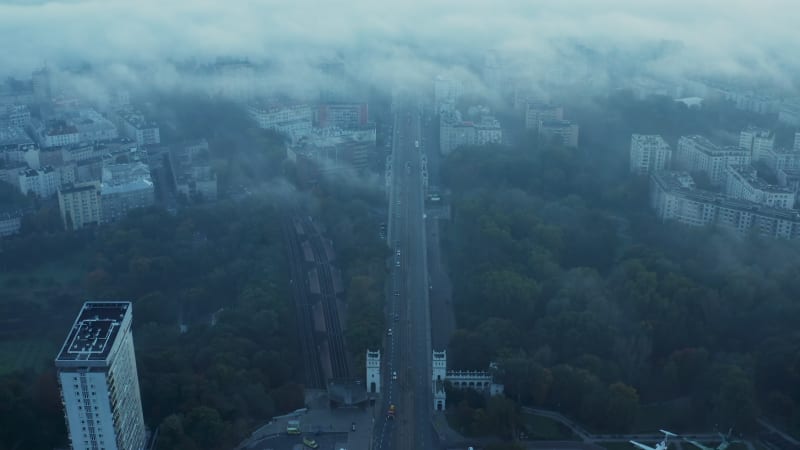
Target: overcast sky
[738,38]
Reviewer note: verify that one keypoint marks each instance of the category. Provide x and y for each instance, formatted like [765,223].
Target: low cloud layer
[392,42]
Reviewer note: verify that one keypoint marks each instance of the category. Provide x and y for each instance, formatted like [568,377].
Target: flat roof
[93,334]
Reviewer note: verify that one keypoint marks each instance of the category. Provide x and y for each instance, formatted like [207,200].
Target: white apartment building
[743,183]
[92,126]
[649,153]
[99,384]
[43,182]
[758,141]
[783,159]
[454,132]
[446,92]
[293,120]
[790,113]
[133,125]
[674,197]
[796,146]
[562,131]
[15,116]
[124,187]
[536,113]
[10,223]
[698,154]
[488,131]
[59,135]
[16,146]
[79,205]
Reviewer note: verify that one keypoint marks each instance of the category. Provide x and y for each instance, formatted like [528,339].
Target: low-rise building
[649,153]
[536,112]
[743,183]
[15,145]
[15,116]
[294,120]
[134,126]
[488,131]
[92,126]
[782,159]
[10,223]
[561,131]
[80,205]
[125,186]
[342,115]
[192,173]
[790,112]
[329,150]
[698,154]
[454,132]
[55,133]
[43,182]
[446,92]
[674,196]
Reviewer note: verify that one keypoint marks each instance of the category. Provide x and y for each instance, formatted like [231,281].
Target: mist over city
[358,225]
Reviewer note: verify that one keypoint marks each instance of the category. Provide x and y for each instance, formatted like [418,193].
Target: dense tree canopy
[592,307]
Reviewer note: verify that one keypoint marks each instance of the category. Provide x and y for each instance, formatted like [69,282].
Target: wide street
[408,347]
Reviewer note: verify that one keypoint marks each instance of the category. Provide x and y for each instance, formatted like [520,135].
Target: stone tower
[373,371]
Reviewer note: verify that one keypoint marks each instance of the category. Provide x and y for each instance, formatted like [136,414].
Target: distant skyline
[751,39]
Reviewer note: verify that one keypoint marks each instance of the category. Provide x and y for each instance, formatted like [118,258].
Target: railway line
[335,336]
[314,289]
[311,358]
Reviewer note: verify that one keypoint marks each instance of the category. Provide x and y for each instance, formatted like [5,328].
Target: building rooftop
[79,188]
[750,175]
[93,334]
[675,182]
[556,123]
[14,136]
[649,140]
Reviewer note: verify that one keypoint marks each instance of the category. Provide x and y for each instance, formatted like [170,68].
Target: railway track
[337,349]
[309,349]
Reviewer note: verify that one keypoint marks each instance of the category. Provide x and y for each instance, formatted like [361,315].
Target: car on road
[396,317]
[396,293]
[397,263]
[394,375]
[310,443]
[398,252]
[390,332]
[353,426]
[390,413]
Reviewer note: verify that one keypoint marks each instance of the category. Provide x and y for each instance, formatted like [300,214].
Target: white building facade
[79,205]
[43,182]
[743,183]
[541,112]
[698,154]
[758,141]
[561,131]
[373,372]
[649,153]
[98,379]
[292,120]
[674,197]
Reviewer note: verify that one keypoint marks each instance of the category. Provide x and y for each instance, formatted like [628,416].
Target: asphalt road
[407,350]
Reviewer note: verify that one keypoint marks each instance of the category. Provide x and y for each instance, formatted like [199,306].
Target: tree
[623,407]
[204,426]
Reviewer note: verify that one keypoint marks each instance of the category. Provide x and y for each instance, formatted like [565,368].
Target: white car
[390,332]
[394,375]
